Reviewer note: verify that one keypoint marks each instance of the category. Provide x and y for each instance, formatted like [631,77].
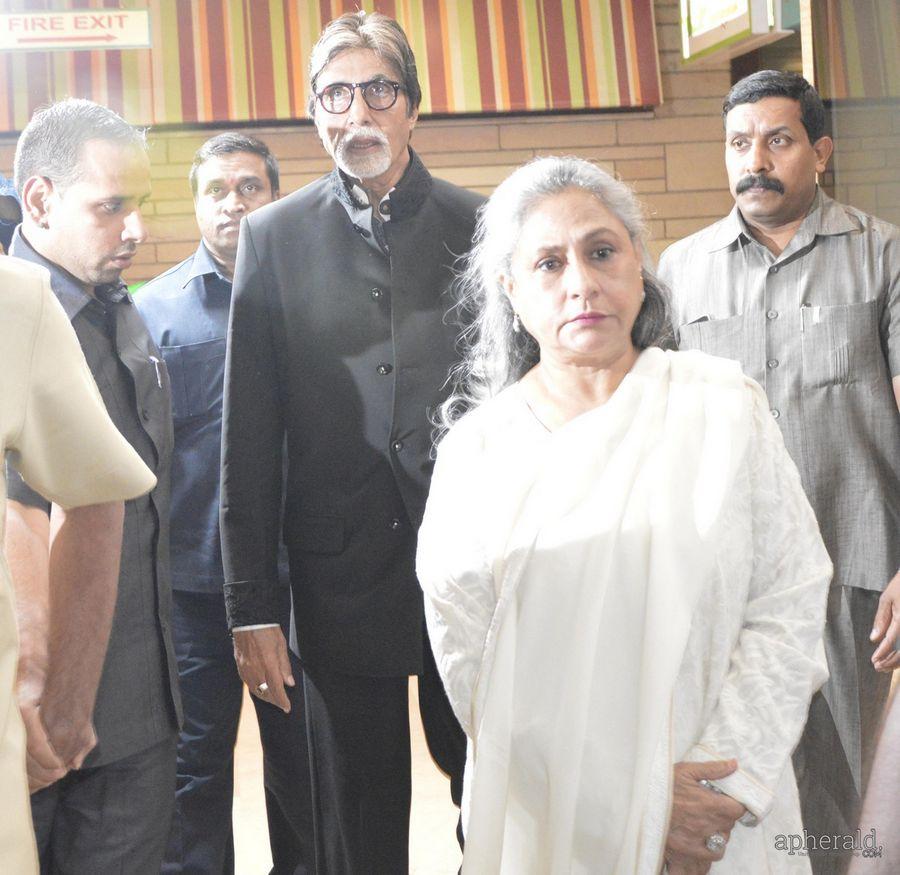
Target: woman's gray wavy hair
[493,354]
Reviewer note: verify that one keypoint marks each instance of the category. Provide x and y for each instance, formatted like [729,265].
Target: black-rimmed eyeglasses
[377,93]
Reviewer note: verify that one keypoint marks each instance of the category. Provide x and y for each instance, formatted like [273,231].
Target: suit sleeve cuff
[253,603]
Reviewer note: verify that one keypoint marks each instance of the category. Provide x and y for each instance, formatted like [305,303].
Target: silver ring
[262,688]
[716,843]
[710,786]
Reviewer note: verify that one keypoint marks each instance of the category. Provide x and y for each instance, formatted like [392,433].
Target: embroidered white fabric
[754,654]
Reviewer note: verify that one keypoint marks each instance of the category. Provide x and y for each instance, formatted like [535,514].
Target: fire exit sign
[81,29]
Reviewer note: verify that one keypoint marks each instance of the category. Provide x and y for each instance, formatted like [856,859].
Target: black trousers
[358,731]
[201,840]
[109,819]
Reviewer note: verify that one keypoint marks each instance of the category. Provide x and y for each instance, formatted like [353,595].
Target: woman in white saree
[624,583]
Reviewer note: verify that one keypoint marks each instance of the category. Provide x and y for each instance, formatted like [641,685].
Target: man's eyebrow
[780,129]
[248,177]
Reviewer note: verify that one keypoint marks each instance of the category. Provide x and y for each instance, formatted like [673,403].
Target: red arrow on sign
[63,39]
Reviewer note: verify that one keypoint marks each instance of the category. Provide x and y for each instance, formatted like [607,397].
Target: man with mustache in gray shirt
[805,293]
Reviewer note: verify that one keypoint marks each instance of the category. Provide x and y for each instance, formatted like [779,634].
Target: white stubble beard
[363,166]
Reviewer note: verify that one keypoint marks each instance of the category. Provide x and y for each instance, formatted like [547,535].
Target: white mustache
[363,133]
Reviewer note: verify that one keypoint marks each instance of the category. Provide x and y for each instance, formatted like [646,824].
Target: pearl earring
[517,326]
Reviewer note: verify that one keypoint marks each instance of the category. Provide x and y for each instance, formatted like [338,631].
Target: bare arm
[85,550]
[27,552]
[886,629]
[27,549]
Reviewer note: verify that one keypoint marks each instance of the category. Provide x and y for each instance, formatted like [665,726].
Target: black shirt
[138,703]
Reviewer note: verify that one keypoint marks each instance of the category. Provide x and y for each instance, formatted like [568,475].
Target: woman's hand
[887,628]
[697,814]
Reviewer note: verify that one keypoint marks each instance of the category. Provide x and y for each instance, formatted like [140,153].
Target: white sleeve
[67,448]
[779,660]
[453,568]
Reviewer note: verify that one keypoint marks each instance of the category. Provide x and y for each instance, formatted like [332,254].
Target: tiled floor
[432,844]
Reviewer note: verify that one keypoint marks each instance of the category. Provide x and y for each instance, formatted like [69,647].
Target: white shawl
[604,554]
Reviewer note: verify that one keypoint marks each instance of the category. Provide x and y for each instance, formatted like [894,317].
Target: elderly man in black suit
[338,349]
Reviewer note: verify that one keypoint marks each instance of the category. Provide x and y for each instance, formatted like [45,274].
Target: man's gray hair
[494,355]
[52,142]
[367,30]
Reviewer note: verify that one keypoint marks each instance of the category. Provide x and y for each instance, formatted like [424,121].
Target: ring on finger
[262,688]
[716,843]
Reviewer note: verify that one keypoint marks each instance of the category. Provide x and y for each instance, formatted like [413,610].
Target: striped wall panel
[855,47]
[245,60]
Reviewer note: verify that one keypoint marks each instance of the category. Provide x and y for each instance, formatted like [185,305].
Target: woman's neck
[559,392]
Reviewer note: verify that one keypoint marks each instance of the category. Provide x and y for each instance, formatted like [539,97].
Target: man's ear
[36,200]
[411,119]
[823,147]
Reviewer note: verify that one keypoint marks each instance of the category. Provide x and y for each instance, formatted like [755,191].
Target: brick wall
[865,169]
[673,156]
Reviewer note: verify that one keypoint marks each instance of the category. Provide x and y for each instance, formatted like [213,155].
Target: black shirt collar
[406,197]
[68,290]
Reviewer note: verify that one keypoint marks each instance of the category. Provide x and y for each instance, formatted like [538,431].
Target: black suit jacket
[338,353]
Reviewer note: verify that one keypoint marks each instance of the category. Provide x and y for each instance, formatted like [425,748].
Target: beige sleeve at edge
[68,448]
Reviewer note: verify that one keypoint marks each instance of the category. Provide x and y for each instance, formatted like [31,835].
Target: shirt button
[771,314]
[145,414]
[376,294]
[773,268]
[772,363]
[396,525]
[384,369]
[775,413]
[396,446]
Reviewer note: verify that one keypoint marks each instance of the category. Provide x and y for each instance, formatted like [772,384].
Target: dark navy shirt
[186,311]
